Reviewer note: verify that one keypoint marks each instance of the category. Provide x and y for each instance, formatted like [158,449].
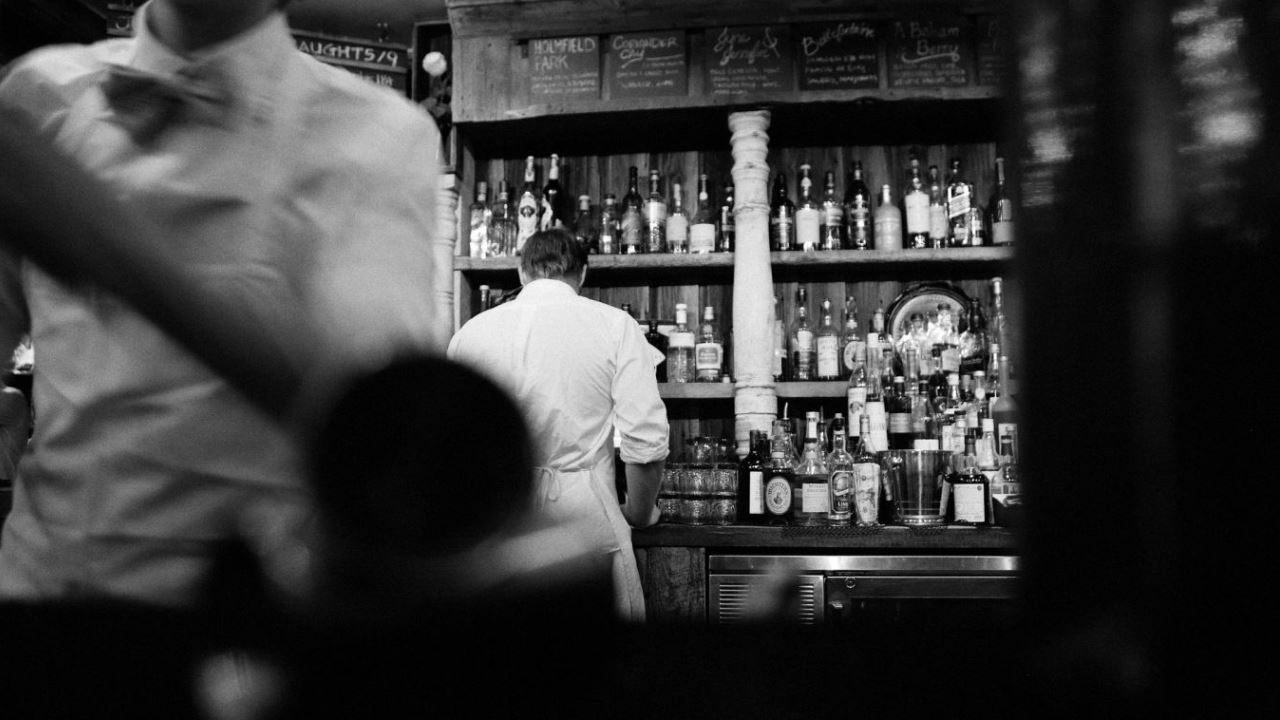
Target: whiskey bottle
[915,207]
[808,217]
[857,210]
[832,236]
[866,478]
[938,227]
[888,222]
[486,298]
[728,234]
[609,233]
[811,488]
[502,223]
[585,225]
[632,222]
[1001,210]
[659,343]
[554,213]
[709,349]
[970,490]
[1003,408]
[481,217]
[959,203]
[655,216]
[677,221]
[853,349]
[840,478]
[921,418]
[974,341]
[680,348]
[781,358]
[702,228]
[779,478]
[897,405]
[528,205]
[751,480]
[856,389]
[802,354]
[782,212]
[827,345]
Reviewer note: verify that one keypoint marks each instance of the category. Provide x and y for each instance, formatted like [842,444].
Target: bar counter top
[947,538]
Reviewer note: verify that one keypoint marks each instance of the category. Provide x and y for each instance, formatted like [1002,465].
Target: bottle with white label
[938,227]
[680,348]
[828,345]
[677,221]
[915,206]
[888,222]
[840,465]
[802,354]
[528,205]
[481,217]
[808,214]
[812,477]
[708,351]
[751,474]
[866,478]
[970,490]
[702,228]
[1001,210]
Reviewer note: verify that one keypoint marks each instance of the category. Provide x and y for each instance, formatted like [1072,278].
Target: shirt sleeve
[639,413]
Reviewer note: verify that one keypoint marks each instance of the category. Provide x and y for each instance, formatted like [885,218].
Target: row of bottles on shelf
[932,214]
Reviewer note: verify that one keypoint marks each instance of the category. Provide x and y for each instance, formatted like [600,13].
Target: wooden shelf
[721,391]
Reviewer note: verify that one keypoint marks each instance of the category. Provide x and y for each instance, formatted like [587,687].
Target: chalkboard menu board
[751,59]
[838,55]
[566,68]
[380,63]
[929,51]
[647,64]
[991,50]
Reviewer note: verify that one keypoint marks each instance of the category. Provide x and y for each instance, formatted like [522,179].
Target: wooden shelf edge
[831,258]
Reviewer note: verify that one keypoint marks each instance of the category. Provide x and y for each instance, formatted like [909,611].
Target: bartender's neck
[186,26]
[573,282]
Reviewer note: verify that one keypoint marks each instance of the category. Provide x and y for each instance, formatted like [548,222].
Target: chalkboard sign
[381,63]
[929,51]
[992,48]
[838,55]
[647,64]
[566,68]
[751,59]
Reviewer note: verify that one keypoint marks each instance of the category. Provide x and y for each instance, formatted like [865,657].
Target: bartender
[578,369]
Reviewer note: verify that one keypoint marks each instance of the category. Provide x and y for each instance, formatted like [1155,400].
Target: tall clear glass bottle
[888,222]
[840,482]
[554,213]
[702,228]
[481,218]
[609,232]
[812,477]
[827,345]
[709,349]
[802,341]
[655,215]
[632,221]
[782,216]
[528,205]
[808,216]
[915,208]
[1001,209]
[866,478]
[857,211]
[938,227]
[727,230]
[677,221]
[832,215]
[680,348]
[502,223]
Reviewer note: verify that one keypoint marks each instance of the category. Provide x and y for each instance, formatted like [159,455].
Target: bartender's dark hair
[553,253]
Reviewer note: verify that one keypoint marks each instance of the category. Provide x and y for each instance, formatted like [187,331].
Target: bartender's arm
[641,505]
[641,419]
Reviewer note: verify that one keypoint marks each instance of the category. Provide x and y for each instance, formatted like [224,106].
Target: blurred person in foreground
[296,193]
[578,369]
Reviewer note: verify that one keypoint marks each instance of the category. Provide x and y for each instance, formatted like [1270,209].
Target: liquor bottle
[937,381]
[827,345]
[875,340]
[985,449]
[779,478]
[554,213]
[856,389]
[959,201]
[812,489]
[528,205]
[840,478]
[709,349]
[832,237]
[866,478]
[486,298]
[853,349]
[974,341]
[680,348]
[1003,409]
[502,223]
[481,218]
[781,358]
[857,211]
[915,207]
[609,232]
[970,490]
[897,405]
[782,216]
[728,234]
[802,342]
[702,228]
[938,227]
[626,308]
[944,335]
[888,222]
[655,216]
[808,216]
[632,222]
[677,221]
[751,480]
[999,330]
[585,225]
[659,342]
[921,414]
[1001,210]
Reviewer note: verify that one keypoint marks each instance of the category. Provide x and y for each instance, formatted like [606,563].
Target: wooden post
[444,245]
[755,399]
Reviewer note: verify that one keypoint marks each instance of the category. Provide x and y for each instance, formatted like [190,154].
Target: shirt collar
[252,60]
[546,288]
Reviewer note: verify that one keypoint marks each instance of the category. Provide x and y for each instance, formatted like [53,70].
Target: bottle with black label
[782,216]
[857,211]
[659,342]
[832,215]
[779,478]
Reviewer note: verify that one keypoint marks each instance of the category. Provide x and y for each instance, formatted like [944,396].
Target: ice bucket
[915,477]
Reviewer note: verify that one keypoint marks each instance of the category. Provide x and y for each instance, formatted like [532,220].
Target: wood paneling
[675,583]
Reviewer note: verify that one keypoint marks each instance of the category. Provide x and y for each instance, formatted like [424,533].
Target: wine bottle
[632,222]
[680,348]
[782,231]
[553,199]
[585,225]
[897,405]
[1001,210]
[709,349]
[857,210]
[832,215]
[827,345]
[751,480]
[959,201]
[779,478]
[659,343]
[502,223]
[728,234]
[702,228]
[812,477]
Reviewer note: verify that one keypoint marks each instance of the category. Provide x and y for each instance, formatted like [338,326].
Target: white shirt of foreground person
[578,368]
[309,201]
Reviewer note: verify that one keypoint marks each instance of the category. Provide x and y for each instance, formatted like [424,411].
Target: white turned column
[444,241]
[755,399]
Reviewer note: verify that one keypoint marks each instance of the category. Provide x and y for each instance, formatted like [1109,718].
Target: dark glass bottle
[840,466]
[779,478]
[751,480]
[658,341]
[782,216]
[898,407]
[655,215]
[727,233]
[832,215]
[554,212]
[857,210]
[632,216]
[970,490]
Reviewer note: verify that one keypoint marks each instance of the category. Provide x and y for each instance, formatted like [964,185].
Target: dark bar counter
[793,538]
